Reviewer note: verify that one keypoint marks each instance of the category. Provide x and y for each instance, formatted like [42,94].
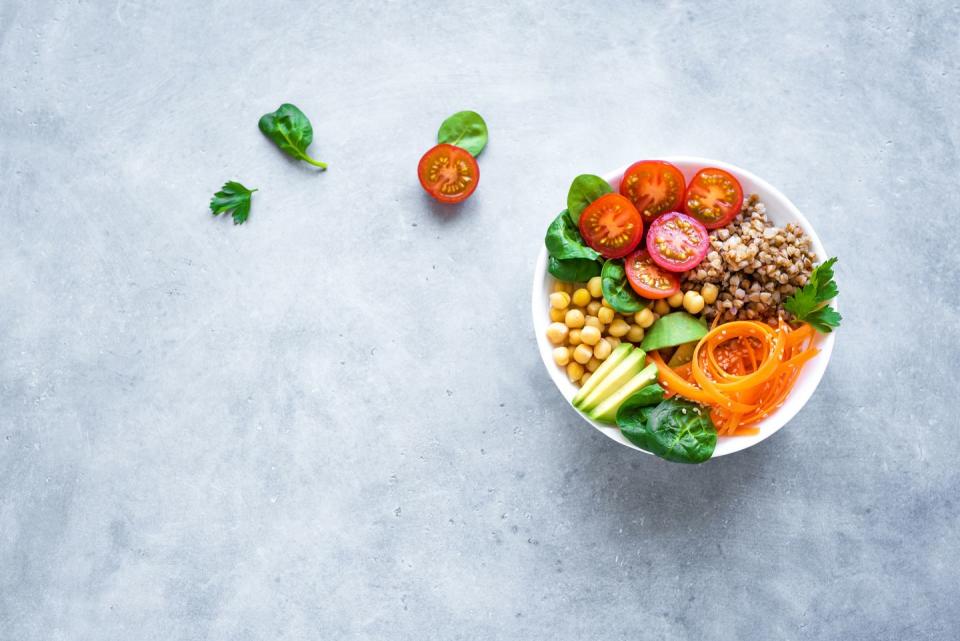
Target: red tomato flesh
[654,187]
[714,197]
[649,279]
[677,242]
[448,173]
[611,225]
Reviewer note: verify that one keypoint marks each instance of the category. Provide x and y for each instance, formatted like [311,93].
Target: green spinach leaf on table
[585,189]
[465,129]
[617,290]
[291,130]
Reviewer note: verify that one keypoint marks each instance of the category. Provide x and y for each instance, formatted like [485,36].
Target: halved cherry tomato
[448,173]
[649,279]
[611,225]
[653,186]
[714,197]
[677,242]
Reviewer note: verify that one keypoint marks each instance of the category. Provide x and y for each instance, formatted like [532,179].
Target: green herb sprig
[233,199]
[808,304]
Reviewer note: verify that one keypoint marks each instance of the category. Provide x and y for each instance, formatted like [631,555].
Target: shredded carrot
[742,370]
[672,382]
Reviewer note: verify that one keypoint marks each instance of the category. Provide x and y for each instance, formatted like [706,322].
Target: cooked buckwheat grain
[754,264]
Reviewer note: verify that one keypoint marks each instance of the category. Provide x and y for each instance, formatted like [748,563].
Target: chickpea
[602,349]
[584,379]
[661,307]
[558,315]
[590,335]
[635,335]
[556,333]
[593,321]
[606,303]
[593,364]
[559,300]
[582,354]
[593,308]
[644,318]
[575,371]
[676,300]
[595,287]
[618,328]
[574,319]
[561,286]
[581,297]
[605,314]
[561,356]
[709,292]
[693,302]
[574,338]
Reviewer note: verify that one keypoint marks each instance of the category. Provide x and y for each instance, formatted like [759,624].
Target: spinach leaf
[646,396]
[563,240]
[233,199]
[634,424]
[573,270]
[617,290]
[585,189]
[464,129]
[676,430]
[634,414]
[291,130]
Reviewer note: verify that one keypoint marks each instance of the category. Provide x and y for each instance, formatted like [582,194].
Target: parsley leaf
[233,199]
[808,304]
[824,319]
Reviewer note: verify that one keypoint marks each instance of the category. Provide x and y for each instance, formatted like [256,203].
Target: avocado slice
[674,329]
[606,411]
[682,355]
[616,357]
[622,373]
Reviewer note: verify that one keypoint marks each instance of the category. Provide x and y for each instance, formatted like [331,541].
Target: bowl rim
[797,399]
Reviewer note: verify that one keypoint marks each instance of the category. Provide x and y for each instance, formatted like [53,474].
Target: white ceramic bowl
[780,211]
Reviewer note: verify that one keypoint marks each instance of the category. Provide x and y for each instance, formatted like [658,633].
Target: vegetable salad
[632,299]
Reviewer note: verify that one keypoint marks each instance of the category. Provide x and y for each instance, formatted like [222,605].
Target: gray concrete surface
[332,423]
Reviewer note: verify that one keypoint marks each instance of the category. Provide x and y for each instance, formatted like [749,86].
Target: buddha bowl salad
[679,310]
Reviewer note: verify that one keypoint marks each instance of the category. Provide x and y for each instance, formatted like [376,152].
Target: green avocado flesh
[616,357]
[606,411]
[674,329]
[614,379]
[683,355]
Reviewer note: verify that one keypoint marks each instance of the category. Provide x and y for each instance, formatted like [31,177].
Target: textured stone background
[332,423]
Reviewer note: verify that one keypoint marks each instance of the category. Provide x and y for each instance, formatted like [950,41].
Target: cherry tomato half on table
[714,197]
[677,242]
[654,187]
[611,225]
[649,279]
[448,173]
